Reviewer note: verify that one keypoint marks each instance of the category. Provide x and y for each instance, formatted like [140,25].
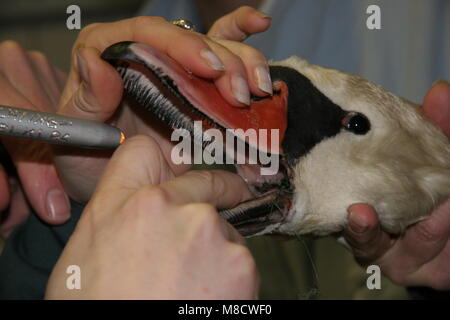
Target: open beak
[178,98]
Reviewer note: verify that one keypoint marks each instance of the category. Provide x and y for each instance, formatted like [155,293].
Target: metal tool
[58,129]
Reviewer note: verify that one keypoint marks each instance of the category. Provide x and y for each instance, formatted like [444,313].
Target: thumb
[137,163]
[240,24]
[364,234]
[94,89]
[436,105]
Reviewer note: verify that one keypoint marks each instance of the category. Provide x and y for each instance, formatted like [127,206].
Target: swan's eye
[356,122]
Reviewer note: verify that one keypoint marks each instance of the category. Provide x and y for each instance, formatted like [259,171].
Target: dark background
[41,24]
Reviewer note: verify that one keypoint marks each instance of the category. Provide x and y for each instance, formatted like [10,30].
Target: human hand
[147,235]
[420,257]
[29,81]
[94,88]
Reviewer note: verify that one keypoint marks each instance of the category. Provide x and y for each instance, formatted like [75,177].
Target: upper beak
[146,71]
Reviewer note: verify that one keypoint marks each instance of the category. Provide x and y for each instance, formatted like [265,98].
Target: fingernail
[357,224]
[212,59]
[82,68]
[263,79]
[57,204]
[443,81]
[262,15]
[240,89]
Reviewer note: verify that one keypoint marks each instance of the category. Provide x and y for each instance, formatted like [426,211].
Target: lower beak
[178,98]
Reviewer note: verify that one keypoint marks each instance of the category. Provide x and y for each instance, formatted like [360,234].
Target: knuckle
[243,258]
[212,179]
[189,39]
[354,241]
[206,214]
[10,45]
[205,176]
[248,53]
[142,21]
[233,58]
[89,28]
[154,196]
[367,255]
[218,24]
[366,241]
[87,35]
[254,54]
[94,214]
[39,56]
[235,62]
[84,37]
[245,10]
[193,36]
[83,102]
[364,256]
[145,204]
[12,48]
[206,220]
[204,209]
[146,199]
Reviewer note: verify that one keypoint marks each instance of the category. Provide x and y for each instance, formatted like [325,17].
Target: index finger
[135,164]
[186,47]
[139,163]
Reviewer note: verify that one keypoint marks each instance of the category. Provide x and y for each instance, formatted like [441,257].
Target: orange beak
[188,91]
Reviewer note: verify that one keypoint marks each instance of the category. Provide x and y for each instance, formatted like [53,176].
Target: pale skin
[44,85]
[403,260]
[100,99]
[202,241]
[148,235]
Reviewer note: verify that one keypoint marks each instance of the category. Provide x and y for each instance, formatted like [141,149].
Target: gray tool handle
[58,129]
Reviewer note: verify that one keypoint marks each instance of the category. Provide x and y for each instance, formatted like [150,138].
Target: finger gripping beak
[263,115]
